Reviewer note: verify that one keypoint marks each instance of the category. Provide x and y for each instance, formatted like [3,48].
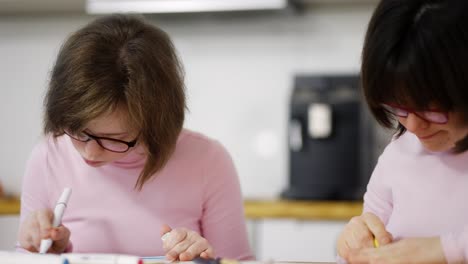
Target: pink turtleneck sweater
[418,193]
[198,189]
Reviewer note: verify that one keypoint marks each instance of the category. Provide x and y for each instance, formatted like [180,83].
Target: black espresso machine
[329,139]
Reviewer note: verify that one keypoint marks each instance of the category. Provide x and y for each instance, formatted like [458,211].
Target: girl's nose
[92,149]
[413,123]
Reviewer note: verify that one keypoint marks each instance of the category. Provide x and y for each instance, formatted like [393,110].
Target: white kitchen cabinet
[8,230]
[294,240]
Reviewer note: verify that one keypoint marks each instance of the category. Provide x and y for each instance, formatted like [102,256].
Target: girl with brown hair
[114,114]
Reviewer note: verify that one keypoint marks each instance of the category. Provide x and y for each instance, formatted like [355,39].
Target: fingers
[342,246]
[183,244]
[170,240]
[177,251]
[60,233]
[208,253]
[194,249]
[33,236]
[44,221]
[360,235]
[175,243]
[61,238]
[377,228]
[165,229]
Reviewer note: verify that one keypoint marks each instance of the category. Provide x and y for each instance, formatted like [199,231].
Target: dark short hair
[416,54]
[120,61]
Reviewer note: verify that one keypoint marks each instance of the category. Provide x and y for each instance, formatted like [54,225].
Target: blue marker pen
[154,260]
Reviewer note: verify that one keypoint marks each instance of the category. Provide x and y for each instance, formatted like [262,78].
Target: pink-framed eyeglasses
[431,115]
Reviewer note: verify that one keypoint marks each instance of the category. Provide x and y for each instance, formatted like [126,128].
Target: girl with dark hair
[415,74]
[114,114]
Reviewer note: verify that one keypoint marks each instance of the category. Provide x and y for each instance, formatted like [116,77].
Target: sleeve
[378,197]
[455,246]
[34,193]
[223,222]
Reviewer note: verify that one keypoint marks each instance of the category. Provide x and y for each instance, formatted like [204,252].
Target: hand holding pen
[43,225]
[364,231]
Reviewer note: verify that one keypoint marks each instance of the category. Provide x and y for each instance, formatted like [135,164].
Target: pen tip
[45,245]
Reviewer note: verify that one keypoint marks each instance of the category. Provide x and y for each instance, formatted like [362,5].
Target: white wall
[239,77]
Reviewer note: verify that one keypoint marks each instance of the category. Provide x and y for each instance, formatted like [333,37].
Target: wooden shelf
[9,206]
[304,210]
[262,209]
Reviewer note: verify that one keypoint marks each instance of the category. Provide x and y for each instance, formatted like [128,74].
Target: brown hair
[120,60]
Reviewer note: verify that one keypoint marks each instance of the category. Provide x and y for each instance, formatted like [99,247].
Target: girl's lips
[92,163]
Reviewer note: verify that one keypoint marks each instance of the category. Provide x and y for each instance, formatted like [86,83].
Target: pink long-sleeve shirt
[198,189]
[418,193]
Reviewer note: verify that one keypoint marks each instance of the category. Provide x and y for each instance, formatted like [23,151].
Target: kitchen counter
[9,206]
[304,210]
[258,209]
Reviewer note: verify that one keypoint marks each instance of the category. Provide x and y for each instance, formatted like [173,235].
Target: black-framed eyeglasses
[110,144]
